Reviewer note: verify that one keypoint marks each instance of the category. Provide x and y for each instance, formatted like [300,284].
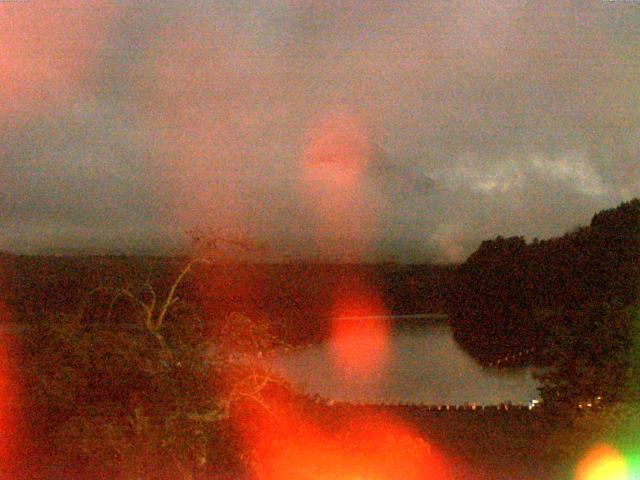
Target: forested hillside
[566,294]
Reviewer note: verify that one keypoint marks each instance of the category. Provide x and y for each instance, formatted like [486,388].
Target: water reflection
[425,365]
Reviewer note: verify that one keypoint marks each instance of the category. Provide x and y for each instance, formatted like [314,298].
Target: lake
[424,365]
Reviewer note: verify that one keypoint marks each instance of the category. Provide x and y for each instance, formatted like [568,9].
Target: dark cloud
[404,180]
[128,123]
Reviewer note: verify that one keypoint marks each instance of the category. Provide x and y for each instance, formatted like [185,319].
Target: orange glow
[288,445]
[359,332]
[336,153]
[602,463]
[7,406]
[47,48]
[9,398]
[341,141]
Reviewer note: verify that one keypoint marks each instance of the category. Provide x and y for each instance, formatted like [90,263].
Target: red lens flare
[9,391]
[603,462]
[339,142]
[287,444]
[359,330]
[47,48]
[336,153]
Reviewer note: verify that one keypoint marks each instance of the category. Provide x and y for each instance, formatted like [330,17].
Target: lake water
[424,365]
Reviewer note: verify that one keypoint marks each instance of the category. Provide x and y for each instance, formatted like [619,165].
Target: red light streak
[10,425]
[359,330]
[288,444]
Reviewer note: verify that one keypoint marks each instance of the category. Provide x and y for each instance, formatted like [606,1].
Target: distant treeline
[511,295]
[296,299]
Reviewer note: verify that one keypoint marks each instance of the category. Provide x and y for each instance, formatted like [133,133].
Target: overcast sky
[341,129]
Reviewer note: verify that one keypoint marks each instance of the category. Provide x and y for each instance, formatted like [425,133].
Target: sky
[342,130]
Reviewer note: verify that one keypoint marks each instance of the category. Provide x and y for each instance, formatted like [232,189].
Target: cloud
[481,119]
[404,180]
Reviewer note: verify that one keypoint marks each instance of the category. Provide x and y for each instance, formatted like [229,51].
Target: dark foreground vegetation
[142,368]
[138,367]
[297,299]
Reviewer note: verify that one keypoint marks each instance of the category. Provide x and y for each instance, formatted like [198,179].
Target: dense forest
[569,298]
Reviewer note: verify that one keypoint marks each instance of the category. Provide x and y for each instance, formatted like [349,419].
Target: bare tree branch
[171,298]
